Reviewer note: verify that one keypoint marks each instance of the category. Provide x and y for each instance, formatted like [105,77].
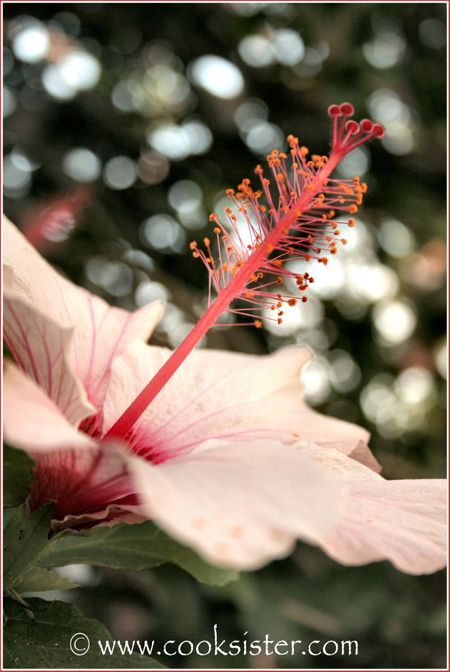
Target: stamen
[298,219]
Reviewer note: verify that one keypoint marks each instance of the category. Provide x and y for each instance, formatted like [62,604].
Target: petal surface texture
[221,395]
[240,504]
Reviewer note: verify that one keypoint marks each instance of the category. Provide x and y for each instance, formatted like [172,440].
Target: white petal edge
[403,521]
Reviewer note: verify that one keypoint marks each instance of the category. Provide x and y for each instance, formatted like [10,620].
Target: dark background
[162,148]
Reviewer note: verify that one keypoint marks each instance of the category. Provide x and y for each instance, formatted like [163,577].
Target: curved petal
[32,421]
[223,395]
[403,521]
[240,504]
[113,514]
[101,332]
[41,348]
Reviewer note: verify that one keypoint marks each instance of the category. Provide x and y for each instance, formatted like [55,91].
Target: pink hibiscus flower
[227,458]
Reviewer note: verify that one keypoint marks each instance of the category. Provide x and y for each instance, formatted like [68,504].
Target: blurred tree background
[124,124]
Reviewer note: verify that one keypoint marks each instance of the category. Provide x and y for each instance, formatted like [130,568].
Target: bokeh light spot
[287,46]
[82,165]
[395,238]
[218,76]
[31,43]
[163,232]
[394,321]
[120,173]
[255,51]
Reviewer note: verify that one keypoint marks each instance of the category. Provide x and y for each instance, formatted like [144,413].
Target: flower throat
[294,214]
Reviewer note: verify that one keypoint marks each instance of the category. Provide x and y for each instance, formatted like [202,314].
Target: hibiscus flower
[227,458]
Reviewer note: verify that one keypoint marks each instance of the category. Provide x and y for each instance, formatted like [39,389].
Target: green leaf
[38,579]
[132,547]
[8,515]
[17,476]
[40,637]
[23,539]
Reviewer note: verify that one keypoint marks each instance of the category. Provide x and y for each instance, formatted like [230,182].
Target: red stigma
[378,131]
[367,125]
[352,126]
[334,111]
[347,109]
[348,134]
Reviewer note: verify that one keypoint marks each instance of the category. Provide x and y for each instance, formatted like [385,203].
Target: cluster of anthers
[297,212]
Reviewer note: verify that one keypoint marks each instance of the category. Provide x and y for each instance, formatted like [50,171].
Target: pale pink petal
[403,521]
[224,395]
[32,421]
[240,504]
[101,332]
[41,348]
